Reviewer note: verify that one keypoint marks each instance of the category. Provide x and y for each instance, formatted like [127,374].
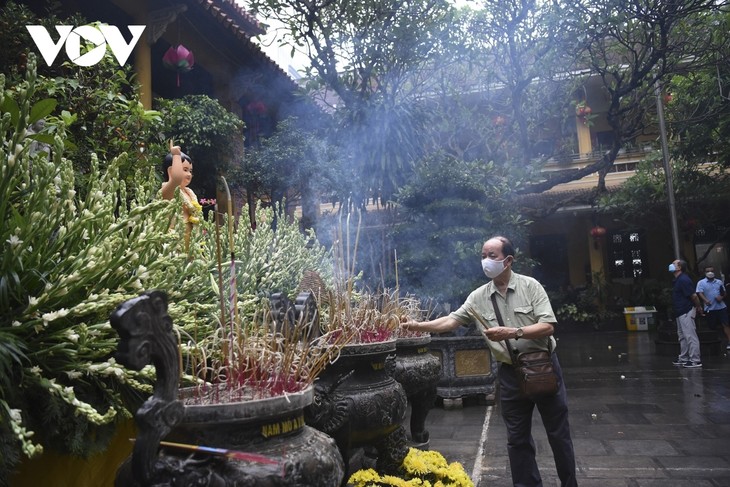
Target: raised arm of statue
[177,170]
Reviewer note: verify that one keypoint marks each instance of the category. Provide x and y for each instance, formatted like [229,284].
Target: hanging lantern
[597,233]
[583,112]
[178,59]
[258,107]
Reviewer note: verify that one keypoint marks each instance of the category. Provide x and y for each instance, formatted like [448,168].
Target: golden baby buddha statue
[178,172]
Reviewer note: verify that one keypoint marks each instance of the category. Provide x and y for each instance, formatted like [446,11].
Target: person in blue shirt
[711,292]
[686,305]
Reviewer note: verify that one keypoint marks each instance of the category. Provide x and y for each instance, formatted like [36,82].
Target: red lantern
[257,107]
[178,59]
[597,232]
[583,112]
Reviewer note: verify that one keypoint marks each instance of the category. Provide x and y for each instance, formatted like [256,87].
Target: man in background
[686,305]
[711,292]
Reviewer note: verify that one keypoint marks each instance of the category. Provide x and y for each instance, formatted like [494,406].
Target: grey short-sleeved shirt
[526,303]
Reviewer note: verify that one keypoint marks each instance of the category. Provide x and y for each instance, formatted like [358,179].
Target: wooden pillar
[143,63]
[585,145]
[596,252]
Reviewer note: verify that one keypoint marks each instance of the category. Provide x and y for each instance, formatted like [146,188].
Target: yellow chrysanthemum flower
[394,481]
[421,469]
[364,478]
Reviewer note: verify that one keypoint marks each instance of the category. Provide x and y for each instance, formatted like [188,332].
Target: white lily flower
[54,315]
[14,241]
[15,415]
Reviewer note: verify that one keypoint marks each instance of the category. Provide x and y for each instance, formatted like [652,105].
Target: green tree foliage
[630,47]
[206,131]
[374,56]
[509,92]
[449,209]
[411,78]
[701,196]
[695,101]
[101,113]
[293,165]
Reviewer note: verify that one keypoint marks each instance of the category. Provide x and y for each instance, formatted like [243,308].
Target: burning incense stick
[223,452]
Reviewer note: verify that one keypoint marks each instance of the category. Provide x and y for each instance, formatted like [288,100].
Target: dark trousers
[517,415]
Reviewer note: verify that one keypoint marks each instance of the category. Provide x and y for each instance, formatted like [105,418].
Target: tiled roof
[243,26]
[234,18]
[541,204]
[547,199]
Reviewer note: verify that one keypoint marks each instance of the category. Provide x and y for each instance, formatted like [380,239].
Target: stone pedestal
[418,371]
[467,368]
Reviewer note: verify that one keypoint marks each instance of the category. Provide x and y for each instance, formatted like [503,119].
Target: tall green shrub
[450,207]
[98,104]
[72,251]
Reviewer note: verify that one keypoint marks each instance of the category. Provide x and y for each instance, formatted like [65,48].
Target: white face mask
[710,275]
[493,268]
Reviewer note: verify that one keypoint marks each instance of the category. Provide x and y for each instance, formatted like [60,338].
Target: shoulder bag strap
[501,323]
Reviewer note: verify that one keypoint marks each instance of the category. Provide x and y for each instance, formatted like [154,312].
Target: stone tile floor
[636,419]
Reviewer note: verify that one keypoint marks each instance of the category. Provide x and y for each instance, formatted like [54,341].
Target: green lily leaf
[42,109]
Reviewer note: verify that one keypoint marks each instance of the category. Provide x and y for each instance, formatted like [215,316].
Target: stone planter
[254,442]
[293,453]
[418,371]
[360,405]
[467,368]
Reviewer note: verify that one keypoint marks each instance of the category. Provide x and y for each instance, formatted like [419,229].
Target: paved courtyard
[636,419]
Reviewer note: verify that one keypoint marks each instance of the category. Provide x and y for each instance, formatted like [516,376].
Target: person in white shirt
[711,292]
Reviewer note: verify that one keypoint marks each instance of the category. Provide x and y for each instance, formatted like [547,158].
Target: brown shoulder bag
[534,369]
